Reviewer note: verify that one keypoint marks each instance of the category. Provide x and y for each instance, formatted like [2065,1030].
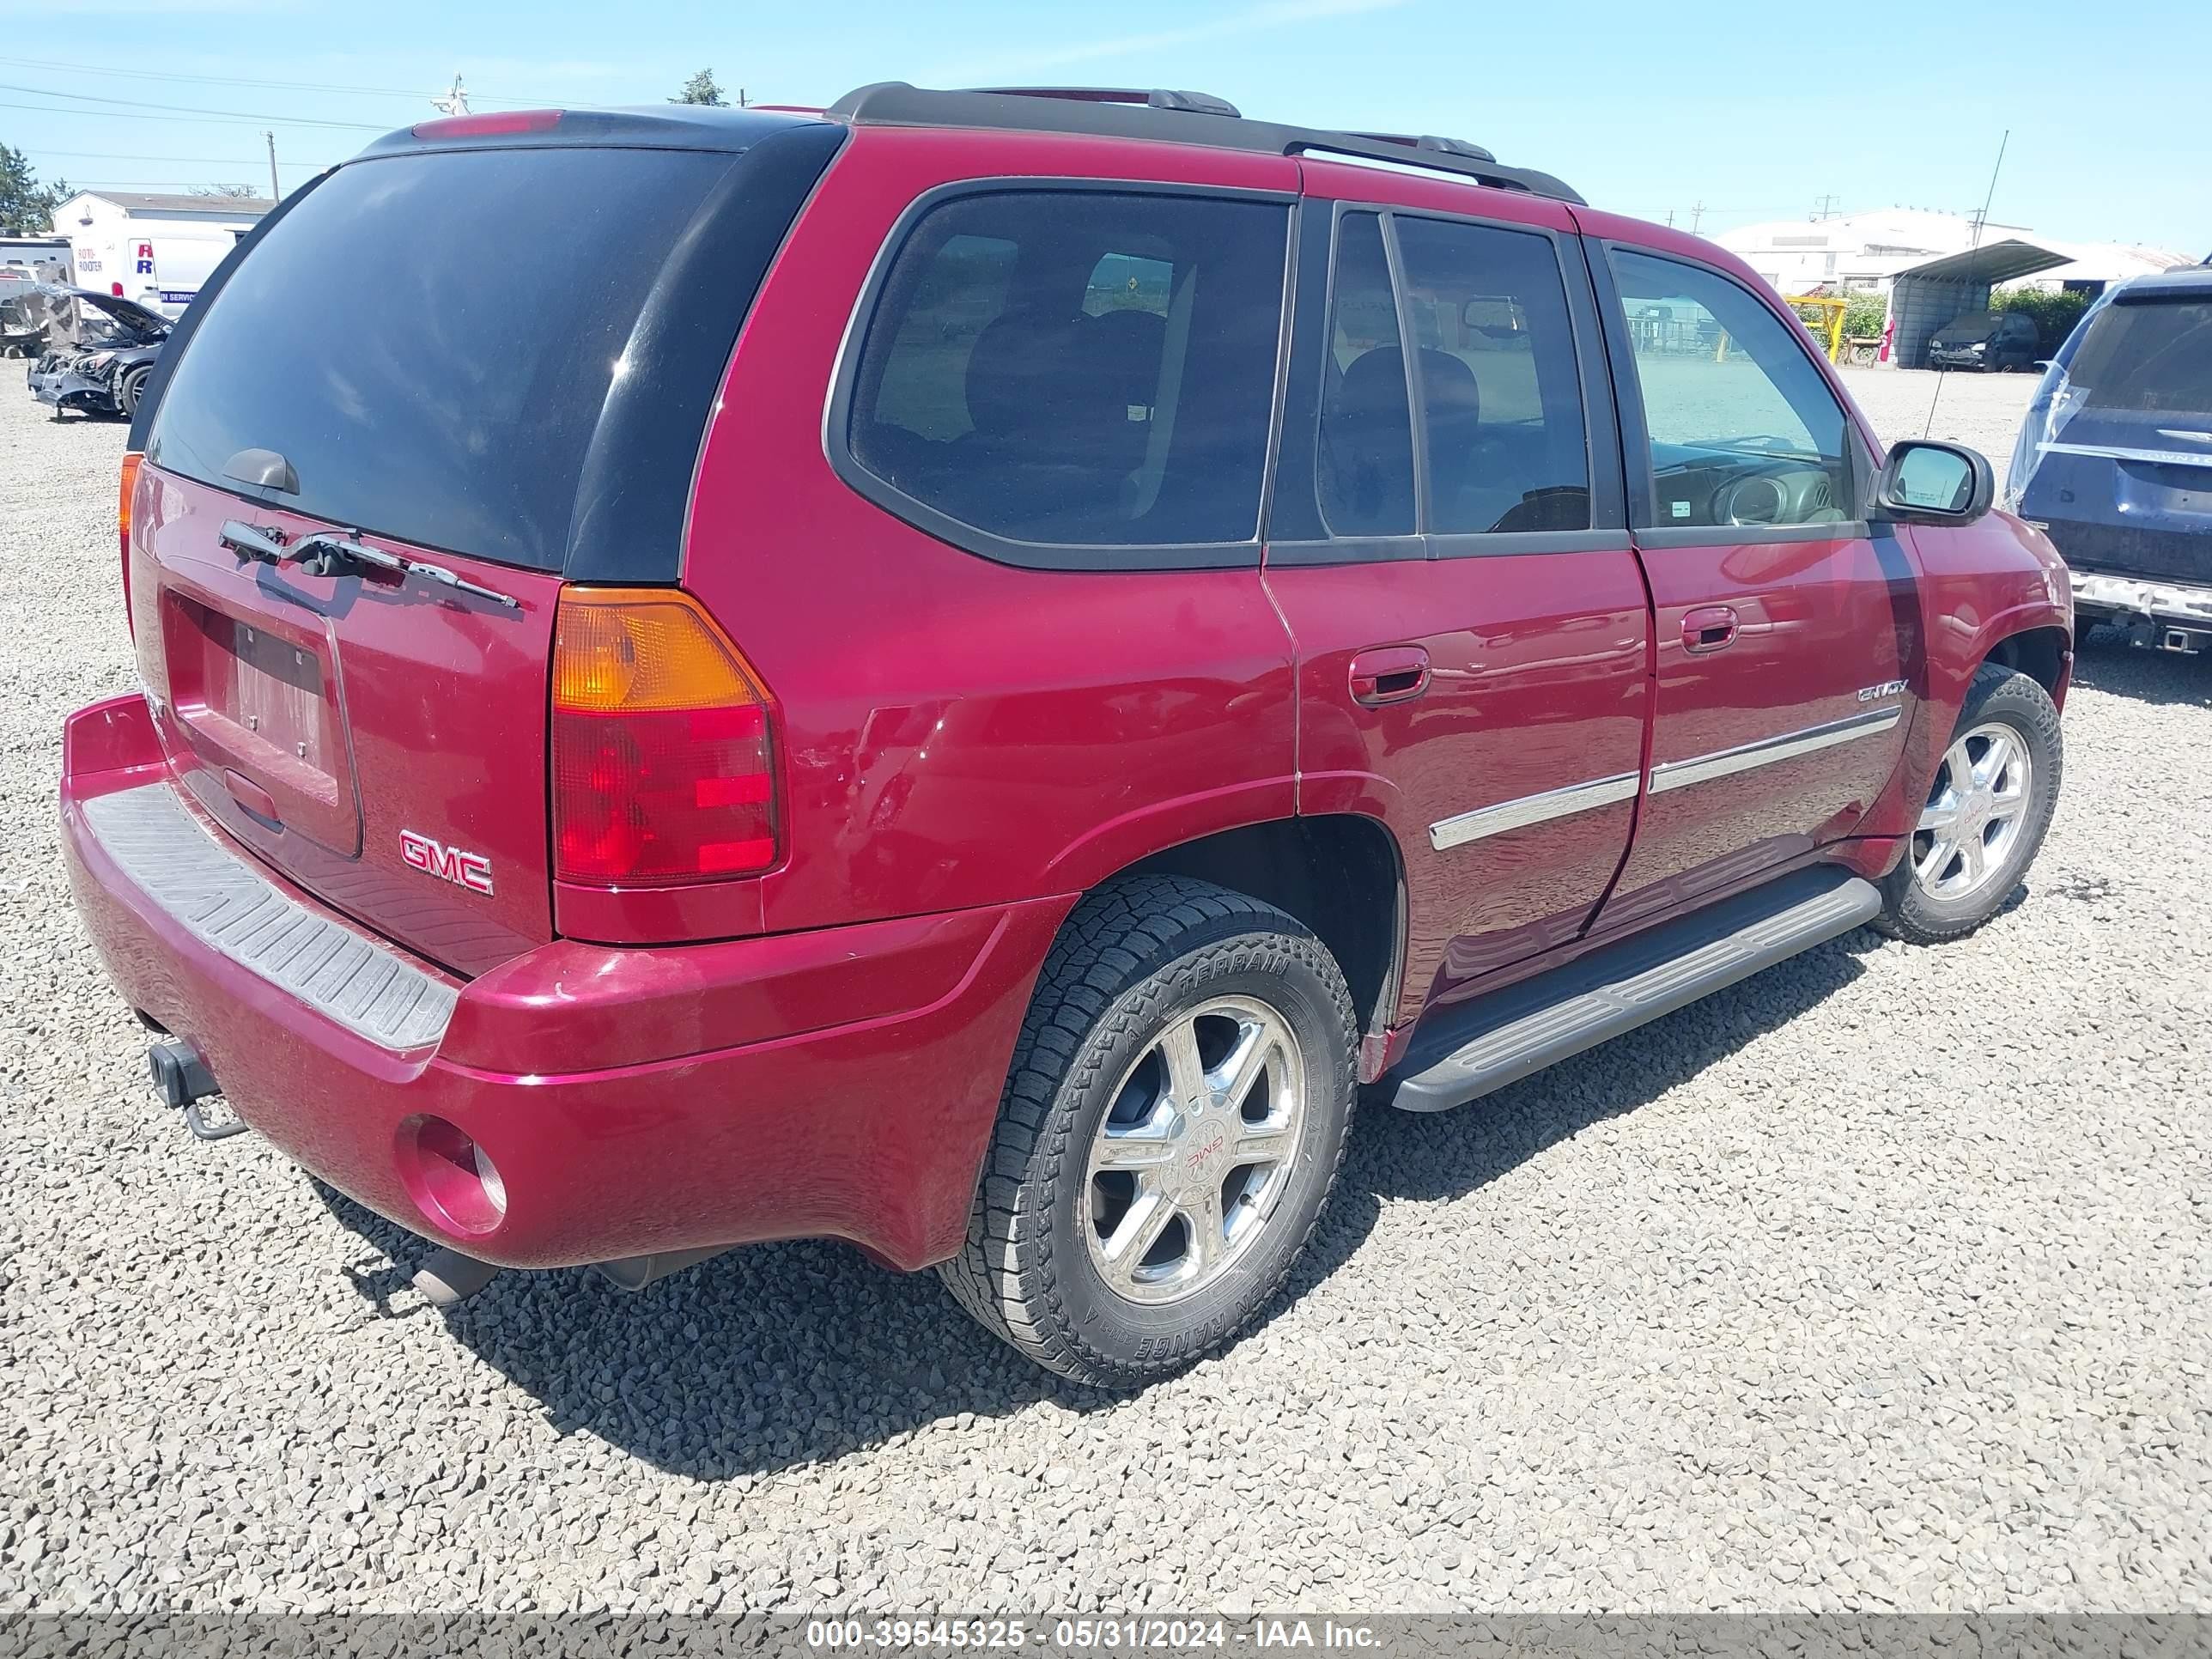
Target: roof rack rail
[1182,118]
[1194,103]
[1431,141]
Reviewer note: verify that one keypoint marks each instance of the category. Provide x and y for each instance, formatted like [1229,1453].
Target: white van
[162,271]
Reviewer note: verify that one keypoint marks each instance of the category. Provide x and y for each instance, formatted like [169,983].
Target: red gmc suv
[964,670]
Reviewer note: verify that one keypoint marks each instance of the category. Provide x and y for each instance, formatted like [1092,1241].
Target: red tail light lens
[664,753]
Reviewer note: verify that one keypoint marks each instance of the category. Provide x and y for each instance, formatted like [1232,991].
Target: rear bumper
[2165,605]
[840,1082]
[2171,616]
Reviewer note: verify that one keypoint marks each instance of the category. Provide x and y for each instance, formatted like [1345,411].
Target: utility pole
[1696,214]
[1670,218]
[275,191]
[455,102]
[1826,207]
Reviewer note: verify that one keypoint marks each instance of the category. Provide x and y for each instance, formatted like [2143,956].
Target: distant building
[1931,266]
[1867,250]
[154,249]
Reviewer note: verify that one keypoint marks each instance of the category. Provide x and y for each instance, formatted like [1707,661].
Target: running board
[1502,1037]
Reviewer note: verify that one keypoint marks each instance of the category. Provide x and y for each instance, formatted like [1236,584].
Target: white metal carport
[1924,297]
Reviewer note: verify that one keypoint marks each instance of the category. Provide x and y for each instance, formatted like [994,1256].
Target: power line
[126,115]
[413,93]
[180,109]
[141,155]
[1972,251]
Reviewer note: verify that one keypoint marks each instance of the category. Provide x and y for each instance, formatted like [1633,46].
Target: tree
[227,192]
[27,208]
[701,88]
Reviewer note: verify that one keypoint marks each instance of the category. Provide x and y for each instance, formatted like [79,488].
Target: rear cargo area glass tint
[429,339]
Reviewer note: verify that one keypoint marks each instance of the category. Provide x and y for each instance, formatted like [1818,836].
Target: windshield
[2154,358]
[1965,330]
[429,339]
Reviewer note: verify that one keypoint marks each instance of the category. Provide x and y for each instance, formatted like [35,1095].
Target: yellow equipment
[1830,322]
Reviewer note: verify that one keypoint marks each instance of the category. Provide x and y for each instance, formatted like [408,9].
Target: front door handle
[1390,673]
[1708,627]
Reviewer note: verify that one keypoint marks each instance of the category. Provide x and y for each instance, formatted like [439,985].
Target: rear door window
[1365,474]
[1500,394]
[429,339]
[1087,370]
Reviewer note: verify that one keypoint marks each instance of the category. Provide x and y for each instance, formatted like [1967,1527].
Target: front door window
[1742,430]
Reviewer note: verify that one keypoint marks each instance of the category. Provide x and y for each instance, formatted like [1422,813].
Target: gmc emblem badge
[433,858]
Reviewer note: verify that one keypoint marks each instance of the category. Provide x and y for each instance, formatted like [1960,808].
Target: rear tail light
[664,754]
[127,487]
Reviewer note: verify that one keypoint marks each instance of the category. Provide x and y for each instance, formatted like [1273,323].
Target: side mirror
[1923,482]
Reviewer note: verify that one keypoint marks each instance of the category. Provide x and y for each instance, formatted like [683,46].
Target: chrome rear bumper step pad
[1503,1037]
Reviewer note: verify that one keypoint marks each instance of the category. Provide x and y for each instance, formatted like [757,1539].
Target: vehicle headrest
[1124,349]
[1449,389]
[1017,373]
[1375,385]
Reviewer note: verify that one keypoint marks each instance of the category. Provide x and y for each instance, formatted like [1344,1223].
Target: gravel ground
[1878,1281]
[1983,410]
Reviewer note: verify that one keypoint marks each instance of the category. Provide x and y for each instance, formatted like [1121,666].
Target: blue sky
[1756,111]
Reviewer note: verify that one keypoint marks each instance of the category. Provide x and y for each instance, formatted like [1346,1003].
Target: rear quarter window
[1073,376]
[429,339]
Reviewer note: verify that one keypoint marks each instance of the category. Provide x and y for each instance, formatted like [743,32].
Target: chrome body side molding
[1518,814]
[1726,762]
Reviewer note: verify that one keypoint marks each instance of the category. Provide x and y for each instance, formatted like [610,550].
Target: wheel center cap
[1201,1143]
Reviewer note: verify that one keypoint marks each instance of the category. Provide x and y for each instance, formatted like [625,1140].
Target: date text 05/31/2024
[1083,1635]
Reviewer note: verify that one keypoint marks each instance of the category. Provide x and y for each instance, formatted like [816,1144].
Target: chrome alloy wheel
[1194,1150]
[1975,813]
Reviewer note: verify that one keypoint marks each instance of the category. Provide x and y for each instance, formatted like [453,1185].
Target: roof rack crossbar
[1185,118]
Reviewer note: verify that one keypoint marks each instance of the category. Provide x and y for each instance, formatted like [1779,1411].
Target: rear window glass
[1501,394]
[429,339]
[1366,455]
[1078,368]
[2154,358]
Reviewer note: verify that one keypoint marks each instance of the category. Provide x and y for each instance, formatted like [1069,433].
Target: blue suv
[2115,460]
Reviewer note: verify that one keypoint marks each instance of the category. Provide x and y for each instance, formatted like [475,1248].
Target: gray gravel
[1983,410]
[1880,1281]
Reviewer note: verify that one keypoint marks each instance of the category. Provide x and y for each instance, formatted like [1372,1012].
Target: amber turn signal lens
[128,485]
[637,650]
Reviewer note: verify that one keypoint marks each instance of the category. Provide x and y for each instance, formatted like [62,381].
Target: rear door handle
[1708,628]
[1390,673]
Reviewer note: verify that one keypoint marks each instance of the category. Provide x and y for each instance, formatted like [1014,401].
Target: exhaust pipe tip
[448,1279]
[635,1272]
